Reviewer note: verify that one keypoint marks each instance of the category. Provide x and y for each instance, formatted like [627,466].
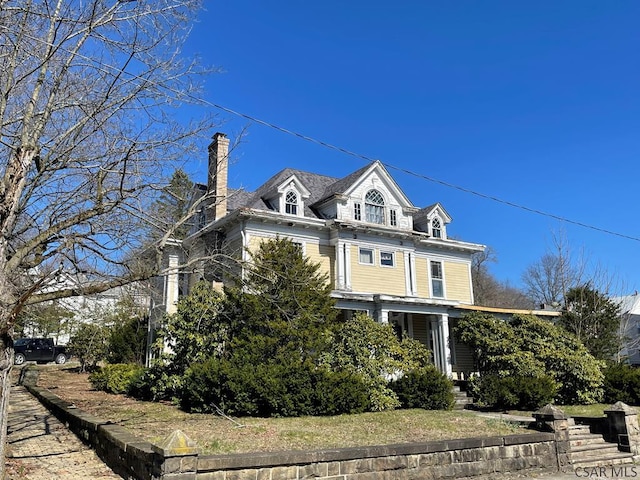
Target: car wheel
[61,358]
[19,359]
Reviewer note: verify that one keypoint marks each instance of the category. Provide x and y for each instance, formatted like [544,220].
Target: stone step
[595,448]
[596,461]
[579,430]
[586,440]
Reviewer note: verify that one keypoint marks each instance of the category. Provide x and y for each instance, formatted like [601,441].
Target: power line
[419,175]
[307,138]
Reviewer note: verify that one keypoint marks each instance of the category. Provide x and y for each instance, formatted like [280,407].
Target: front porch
[430,324]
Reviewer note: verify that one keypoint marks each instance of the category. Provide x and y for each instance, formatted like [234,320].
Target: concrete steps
[591,450]
[462,400]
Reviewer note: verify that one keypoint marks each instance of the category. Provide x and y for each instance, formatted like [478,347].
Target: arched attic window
[374,207]
[436,228]
[291,203]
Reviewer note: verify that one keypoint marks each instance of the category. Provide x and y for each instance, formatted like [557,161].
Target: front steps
[462,400]
[590,449]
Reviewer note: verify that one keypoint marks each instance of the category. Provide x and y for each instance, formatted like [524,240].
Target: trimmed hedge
[271,389]
[514,392]
[424,388]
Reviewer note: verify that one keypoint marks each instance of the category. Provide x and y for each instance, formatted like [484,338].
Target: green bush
[116,378]
[271,389]
[514,392]
[424,388]
[158,382]
[528,346]
[622,383]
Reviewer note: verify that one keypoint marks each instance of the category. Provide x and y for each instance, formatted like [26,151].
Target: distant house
[83,308]
[630,327]
[383,255]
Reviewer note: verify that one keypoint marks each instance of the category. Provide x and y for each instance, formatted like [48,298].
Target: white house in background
[630,326]
[86,308]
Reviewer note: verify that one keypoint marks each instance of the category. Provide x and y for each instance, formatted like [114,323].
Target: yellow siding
[324,255]
[254,242]
[375,278]
[458,283]
[422,278]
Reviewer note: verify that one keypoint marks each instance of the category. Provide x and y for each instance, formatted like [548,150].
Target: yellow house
[383,255]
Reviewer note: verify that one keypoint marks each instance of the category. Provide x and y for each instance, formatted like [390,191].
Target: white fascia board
[453,245]
[391,184]
[284,186]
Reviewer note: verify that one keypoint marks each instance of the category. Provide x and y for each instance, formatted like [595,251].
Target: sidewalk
[40,447]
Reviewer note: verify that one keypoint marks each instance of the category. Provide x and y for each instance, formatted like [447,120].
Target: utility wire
[307,138]
[418,175]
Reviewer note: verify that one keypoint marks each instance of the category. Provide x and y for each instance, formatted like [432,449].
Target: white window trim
[298,203]
[443,231]
[444,289]
[393,258]
[373,256]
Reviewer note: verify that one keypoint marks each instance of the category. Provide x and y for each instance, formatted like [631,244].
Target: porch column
[440,343]
[446,344]
[383,316]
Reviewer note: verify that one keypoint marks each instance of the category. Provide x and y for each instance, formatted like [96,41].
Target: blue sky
[535,103]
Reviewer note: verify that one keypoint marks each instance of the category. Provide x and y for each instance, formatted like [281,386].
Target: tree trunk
[6,362]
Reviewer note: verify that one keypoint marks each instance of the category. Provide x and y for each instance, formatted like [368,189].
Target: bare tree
[490,292]
[87,137]
[548,280]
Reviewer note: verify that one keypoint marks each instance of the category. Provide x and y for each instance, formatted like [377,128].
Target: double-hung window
[437,280]
[366,256]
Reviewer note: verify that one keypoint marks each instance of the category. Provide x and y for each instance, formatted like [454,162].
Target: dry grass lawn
[215,434]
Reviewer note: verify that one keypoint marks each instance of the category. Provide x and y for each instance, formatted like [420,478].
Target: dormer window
[436,228]
[374,207]
[291,203]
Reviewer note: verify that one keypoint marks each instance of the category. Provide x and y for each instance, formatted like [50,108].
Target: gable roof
[343,184]
[422,215]
[315,183]
[320,187]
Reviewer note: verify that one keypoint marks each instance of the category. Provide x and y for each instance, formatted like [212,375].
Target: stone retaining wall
[442,459]
[134,458]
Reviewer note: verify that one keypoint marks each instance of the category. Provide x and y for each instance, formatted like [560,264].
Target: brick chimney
[218,168]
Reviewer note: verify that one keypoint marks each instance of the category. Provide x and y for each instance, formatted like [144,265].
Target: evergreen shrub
[514,392]
[271,389]
[622,383]
[115,378]
[424,388]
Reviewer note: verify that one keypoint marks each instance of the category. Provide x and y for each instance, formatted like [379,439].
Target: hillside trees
[87,136]
[490,292]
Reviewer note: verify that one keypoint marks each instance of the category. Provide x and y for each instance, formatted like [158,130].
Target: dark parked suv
[41,350]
